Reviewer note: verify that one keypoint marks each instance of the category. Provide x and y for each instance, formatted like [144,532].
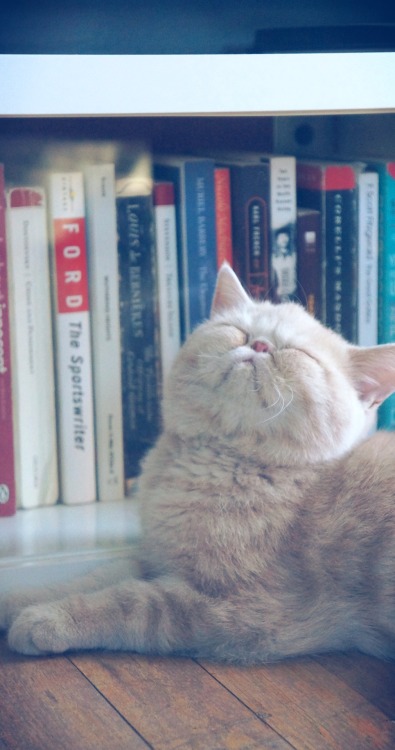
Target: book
[32,348]
[249,179]
[223,215]
[102,251]
[193,179]
[368,246]
[331,188]
[73,339]
[309,260]
[168,288]
[139,323]
[282,226]
[386,281]
[7,456]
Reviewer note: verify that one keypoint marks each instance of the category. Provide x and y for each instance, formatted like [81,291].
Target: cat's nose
[260,346]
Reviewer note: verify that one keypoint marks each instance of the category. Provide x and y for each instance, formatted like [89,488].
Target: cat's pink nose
[260,346]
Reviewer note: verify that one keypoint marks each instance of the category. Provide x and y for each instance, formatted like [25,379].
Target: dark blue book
[193,180]
[139,327]
[331,188]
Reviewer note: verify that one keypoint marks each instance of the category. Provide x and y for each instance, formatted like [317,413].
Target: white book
[32,348]
[368,249]
[168,288]
[73,340]
[104,303]
[283,211]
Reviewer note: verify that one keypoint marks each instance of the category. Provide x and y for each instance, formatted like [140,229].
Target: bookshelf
[301,103]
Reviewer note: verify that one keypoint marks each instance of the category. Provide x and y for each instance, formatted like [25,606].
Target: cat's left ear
[373,372]
[228,291]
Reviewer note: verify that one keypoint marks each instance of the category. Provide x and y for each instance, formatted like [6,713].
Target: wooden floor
[122,701]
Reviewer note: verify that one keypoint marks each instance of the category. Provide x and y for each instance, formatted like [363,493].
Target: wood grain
[46,703]
[310,706]
[118,701]
[174,703]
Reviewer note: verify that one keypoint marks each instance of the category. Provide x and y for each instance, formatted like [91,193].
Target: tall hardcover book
[309,260]
[386,283]
[368,262]
[101,224]
[73,339]
[331,188]
[32,347]
[7,457]
[223,215]
[193,179]
[168,287]
[139,323]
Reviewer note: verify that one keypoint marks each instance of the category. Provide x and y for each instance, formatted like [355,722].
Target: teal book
[386,296]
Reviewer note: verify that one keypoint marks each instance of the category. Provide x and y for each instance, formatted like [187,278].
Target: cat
[268,515]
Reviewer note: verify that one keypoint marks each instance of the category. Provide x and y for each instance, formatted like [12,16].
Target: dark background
[175,26]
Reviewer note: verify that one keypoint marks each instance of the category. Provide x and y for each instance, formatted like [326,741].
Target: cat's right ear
[228,292]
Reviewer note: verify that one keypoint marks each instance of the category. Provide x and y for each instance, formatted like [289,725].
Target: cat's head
[271,379]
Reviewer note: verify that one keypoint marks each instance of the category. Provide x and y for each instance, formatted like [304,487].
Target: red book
[223,215]
[7,460]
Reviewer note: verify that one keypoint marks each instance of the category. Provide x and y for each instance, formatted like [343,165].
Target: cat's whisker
[284,405]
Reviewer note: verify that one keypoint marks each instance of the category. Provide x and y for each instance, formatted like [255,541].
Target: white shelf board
[68,533]
[55,85]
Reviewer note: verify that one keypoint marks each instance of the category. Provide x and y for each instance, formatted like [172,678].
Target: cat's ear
[228,291]
[373,372]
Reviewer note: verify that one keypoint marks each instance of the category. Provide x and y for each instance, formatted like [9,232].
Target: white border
[51,85]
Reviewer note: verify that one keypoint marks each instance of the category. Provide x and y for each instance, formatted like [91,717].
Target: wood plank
[47,703]
[372,678]
[175,704]
[310,707]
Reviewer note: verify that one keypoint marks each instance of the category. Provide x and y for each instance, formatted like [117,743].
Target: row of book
[108,259]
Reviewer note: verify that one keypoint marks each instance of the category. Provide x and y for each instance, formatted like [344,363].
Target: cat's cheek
[42,629]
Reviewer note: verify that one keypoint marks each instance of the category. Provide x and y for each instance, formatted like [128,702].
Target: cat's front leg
[159,616]
[12,603]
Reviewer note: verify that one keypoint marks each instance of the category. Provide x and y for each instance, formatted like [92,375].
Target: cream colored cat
[268,521]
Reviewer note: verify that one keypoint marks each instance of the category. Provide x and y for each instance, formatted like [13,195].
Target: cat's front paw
[11,605]
[42,629]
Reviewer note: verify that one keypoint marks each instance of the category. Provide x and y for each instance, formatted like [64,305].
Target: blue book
[193,180]
[139,326]
[386,282]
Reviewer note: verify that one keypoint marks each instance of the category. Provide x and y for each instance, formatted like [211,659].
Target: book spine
[283,257]
[139,328]
[251,228]
[368,241]
[73,340]
[196,236]
[386,307]
[34,405]
[341,268]
[168,289]
[223,216]
[310,180]
[106,337]
[7,457]
[309,260]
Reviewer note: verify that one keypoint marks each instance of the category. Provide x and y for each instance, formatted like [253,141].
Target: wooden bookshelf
[304,103]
